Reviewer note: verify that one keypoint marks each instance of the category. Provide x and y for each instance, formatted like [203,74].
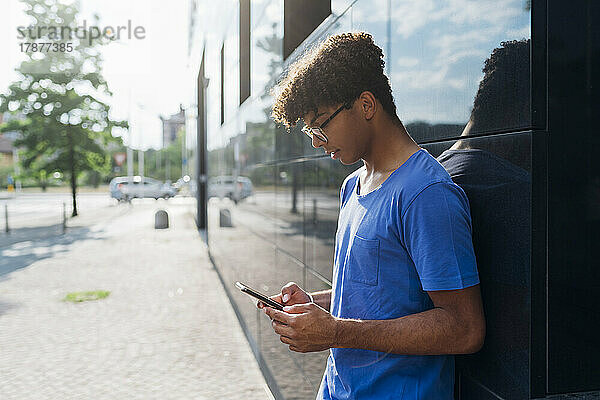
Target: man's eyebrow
[312,121]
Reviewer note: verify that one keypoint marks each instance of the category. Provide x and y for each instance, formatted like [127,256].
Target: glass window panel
[435,56]
[232,77]
[258,202]
[266,48]
[287,367]
[254,118]
[323,178]
[288,201]
[495,173]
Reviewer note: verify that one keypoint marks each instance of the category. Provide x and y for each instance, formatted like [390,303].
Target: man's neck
[463,144]
[390,147]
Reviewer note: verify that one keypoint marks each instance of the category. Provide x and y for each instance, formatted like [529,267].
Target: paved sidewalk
[167,330]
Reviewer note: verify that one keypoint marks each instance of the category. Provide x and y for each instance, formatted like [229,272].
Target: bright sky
[148,77]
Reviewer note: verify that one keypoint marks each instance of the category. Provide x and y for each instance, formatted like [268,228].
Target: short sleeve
[436,229]
[345,190]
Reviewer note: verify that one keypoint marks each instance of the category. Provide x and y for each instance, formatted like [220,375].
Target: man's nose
[316,142]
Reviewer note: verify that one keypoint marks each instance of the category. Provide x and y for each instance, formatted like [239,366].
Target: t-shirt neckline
[357,184]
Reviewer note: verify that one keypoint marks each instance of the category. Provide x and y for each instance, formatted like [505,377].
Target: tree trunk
[74,189]
[73,174]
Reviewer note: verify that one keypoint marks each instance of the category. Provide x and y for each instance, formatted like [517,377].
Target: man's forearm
[322,298]
[430,332]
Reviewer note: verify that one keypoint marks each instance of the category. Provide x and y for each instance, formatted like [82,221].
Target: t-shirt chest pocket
[363,261]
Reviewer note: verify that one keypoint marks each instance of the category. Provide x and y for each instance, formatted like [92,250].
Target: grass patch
[78,297]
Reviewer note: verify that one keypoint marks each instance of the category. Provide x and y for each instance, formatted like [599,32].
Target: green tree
[66,127]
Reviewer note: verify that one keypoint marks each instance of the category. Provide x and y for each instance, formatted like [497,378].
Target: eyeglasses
[318,132]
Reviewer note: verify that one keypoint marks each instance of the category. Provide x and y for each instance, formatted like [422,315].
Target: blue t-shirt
[410,235]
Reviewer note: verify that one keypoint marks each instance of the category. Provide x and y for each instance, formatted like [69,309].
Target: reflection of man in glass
[503,101]
[405,293]
[499,194]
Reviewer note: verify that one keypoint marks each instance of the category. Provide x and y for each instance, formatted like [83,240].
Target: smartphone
[265,299]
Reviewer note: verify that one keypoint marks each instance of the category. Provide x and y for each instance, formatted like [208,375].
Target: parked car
[124,190]
[183,186]
[223,186]
[114,187]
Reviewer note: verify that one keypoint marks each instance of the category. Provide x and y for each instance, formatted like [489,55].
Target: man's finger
[276,297]
[288,290]
[281,329]
[285,339]
[294,348]
[277,315]
[297,308]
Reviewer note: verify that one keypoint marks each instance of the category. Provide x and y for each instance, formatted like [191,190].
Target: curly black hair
[333,72]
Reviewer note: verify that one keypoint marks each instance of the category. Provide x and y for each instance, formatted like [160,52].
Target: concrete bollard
[225,218]
[161,220]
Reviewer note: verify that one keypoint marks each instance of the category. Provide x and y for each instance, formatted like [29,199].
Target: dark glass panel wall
[244,49]
[200,153]
[495,173]
[300,19]
[573,196]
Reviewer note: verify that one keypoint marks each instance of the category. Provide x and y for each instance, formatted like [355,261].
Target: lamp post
[129,149]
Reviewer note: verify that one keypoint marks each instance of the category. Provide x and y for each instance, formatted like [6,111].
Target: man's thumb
[286,293]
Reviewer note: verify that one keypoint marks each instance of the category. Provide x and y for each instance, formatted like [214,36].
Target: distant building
[6,144]
[171,126]
[6,151]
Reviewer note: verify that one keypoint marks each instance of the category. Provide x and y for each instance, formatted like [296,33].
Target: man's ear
[368,104]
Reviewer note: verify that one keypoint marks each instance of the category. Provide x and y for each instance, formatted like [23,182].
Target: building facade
[171,126]
[6,151]
[529,168]
[9,169]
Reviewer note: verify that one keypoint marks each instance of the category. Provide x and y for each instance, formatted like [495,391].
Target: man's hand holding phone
[290,294]
[303,325]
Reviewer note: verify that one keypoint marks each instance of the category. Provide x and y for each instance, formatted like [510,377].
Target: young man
[405,292]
